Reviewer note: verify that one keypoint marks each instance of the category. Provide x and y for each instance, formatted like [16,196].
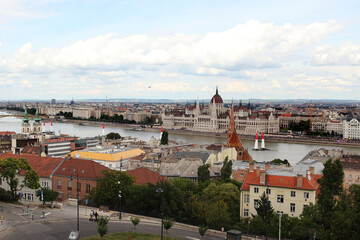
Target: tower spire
[217,89]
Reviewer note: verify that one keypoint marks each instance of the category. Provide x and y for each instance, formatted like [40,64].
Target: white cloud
[347,54]
[252,44]
[25,83]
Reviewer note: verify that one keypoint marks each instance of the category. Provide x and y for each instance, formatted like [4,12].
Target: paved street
[59,222]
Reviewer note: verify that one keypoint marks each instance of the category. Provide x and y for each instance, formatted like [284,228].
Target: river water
[290,151]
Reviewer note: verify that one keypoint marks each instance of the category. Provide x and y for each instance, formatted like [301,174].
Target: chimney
[257,170]
[267,166]
[312,170]
[299,180]
[251,165]
[262,177]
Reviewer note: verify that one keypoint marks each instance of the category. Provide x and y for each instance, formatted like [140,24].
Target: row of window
[292,208]
[268,192]
[69,186]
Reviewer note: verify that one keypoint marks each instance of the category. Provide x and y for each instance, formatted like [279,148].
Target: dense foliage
[299,126]
[165,138]
[10,167]
[113,135]
[49,195]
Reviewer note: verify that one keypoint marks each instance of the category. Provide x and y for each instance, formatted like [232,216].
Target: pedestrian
[96,216]
[91,215]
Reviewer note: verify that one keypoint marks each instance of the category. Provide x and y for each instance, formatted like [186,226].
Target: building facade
[216,118]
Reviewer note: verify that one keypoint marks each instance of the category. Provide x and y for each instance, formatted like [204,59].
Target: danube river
[289,151]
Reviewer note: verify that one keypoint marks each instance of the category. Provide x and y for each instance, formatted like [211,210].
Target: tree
[202,230]
[103,226]
[113,135]
[264,209]
[226,169]
[164,138]
[10,167]
[168,223]
[331,186]
[204,173]
[135,221]
[48,194]
[107,190]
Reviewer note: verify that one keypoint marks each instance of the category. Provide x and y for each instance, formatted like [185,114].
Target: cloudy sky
[179,49]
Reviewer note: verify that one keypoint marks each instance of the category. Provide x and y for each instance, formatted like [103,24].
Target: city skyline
[179,50]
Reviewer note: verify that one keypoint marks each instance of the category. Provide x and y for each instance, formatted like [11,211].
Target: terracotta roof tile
[44,166]
[145,176]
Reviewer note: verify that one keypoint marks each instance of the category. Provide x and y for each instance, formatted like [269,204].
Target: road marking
[193,238]
[47,213]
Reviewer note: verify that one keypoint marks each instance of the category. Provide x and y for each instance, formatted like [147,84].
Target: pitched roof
[86,168]
[179,155]
[145,176]
[7,133]
[281,181]
[108,156]
[31,150]
[44,166]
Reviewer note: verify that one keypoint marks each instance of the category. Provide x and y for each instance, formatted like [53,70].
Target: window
[280,198]
[30,197]
[246,212]
[110,165]
[292,207]
[293,193]
[306,195]
[246,198]
[69,195]
[44,184]
[256,203]
[60,196]
[305,205]
[256,190]
[268,191]
[0,181]
[69,185]
[59,184]
[87,189]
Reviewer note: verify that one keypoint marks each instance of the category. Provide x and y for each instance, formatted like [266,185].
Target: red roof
[31,150]
[144,176]
[44,166]
[281,181]
[86,168]
[216,98]
[286,114]
[7,133]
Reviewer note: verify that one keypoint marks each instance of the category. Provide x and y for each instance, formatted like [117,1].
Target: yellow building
[109,157]
[288,192]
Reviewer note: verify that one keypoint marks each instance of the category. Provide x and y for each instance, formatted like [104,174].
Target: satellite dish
[77,155]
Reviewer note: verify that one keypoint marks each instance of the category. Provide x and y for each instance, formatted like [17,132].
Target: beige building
[86,113]
[288,192]
[216,118]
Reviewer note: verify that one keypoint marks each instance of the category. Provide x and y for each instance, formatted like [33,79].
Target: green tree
[113,135]
[102,226]
[168,223]
[204,173]
[48,194]
[226,169]
[264,209]
[10,167]
[202,230]
[331,186]
[135,221]
[164,138]
[107,190]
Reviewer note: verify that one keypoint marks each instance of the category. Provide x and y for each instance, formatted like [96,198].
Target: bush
[7,196]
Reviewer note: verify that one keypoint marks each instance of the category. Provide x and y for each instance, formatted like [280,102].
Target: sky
[174,49]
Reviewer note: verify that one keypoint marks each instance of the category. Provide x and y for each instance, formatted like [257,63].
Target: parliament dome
[217,98]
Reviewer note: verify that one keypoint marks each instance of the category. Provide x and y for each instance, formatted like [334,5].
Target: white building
[216,118]
[351,129]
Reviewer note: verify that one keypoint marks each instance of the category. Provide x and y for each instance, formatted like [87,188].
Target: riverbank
[222,136]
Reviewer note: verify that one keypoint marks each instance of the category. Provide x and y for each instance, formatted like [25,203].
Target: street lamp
[119,182]
[77,194]
[159,190]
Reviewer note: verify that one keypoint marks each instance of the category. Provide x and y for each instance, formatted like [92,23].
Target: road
[59,222]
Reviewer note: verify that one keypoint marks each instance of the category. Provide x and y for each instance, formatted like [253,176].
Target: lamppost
[77,194]
[119,182]
[159,190]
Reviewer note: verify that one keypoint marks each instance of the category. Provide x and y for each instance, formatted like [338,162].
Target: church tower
[25,127]
[37,123]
